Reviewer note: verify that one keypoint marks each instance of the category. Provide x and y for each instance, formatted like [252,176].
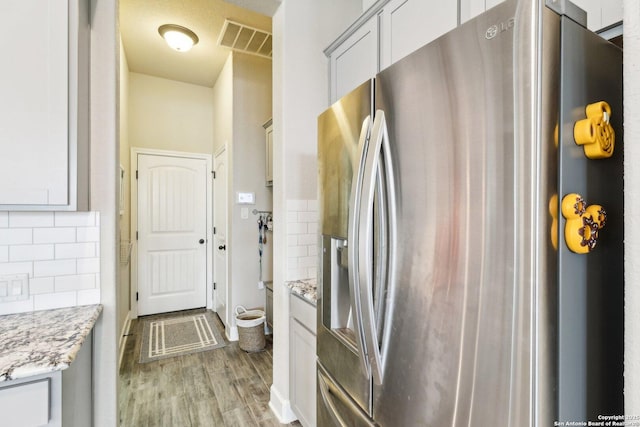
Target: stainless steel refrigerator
[472,254]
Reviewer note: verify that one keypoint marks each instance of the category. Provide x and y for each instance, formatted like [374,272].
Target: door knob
[222,247]
[201,241]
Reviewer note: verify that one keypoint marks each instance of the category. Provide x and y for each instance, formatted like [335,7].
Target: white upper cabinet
[44,105]
[385,33]
[601,13]
[472,8]
[355,60]
[406,25]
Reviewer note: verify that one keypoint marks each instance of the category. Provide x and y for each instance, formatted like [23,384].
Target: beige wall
[169,115]
[242,103]
[251,108]
[223,106]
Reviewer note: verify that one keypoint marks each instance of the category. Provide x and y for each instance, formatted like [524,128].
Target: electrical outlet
[14,287]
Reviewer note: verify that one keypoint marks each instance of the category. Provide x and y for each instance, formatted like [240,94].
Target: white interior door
[172,220]
[220,203]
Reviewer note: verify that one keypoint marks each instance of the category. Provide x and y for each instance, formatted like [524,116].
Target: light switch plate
[14,287]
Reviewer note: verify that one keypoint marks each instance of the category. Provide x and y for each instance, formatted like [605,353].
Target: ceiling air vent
[246,39]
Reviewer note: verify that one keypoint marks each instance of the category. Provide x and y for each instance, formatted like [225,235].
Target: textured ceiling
[147,53]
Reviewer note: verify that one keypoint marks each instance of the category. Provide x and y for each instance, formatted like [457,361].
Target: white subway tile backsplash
[41,285]
[307,261]
[308,217]
[16,268]
[296,274]
[89,296]
[75,219]
[308,239]
[296,205]
[75,250]
[297,251]
[54,300]
[30,219]
[54,235]
[302,239]
[313,250]
[88,234]
[30,252]
[22,306]
[292,263]
[54,268]
[88,265]
[18,236]
[75,283]
[296,228]
[60,253]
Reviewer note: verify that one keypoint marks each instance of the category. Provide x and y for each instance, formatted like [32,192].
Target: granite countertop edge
[41,342]
[305,289]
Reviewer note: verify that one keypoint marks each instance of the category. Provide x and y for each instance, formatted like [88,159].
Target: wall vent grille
[243,38]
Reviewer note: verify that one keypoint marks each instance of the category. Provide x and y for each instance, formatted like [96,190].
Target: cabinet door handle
[222,247]
[201,241]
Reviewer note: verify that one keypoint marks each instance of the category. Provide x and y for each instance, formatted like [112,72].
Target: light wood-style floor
[222,387]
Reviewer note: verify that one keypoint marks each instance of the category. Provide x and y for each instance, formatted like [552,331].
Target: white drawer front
[304,312]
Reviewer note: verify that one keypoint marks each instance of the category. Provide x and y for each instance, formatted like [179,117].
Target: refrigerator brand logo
[495,30]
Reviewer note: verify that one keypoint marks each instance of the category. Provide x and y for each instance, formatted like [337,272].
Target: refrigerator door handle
[378,146]
[353,239]
[328,401]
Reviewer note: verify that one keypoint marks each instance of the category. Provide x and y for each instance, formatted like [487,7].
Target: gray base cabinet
[56,399]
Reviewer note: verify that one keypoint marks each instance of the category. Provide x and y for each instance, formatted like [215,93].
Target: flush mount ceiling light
[179,38]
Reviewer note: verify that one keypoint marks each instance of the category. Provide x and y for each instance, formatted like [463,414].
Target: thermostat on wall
[246,198]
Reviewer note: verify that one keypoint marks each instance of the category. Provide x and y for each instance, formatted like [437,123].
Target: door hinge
[136,296]
[214,286]
[136,174]
[136,235]
[214,174]
[214,230]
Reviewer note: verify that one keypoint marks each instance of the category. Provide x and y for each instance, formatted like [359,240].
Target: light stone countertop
[45,341]
[305,288]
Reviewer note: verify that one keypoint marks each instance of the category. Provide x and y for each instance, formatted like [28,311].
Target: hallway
[221,387]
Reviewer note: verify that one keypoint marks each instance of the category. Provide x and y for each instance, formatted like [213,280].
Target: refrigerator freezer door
[335,407]
[459,338]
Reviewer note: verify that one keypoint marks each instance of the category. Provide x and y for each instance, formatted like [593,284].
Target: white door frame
[226,233]
[134,221]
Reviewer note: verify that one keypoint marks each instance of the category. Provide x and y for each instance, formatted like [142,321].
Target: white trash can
[250,329]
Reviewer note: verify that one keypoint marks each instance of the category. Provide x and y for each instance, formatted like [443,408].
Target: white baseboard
[123,337]
[232,333]
[281,407]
